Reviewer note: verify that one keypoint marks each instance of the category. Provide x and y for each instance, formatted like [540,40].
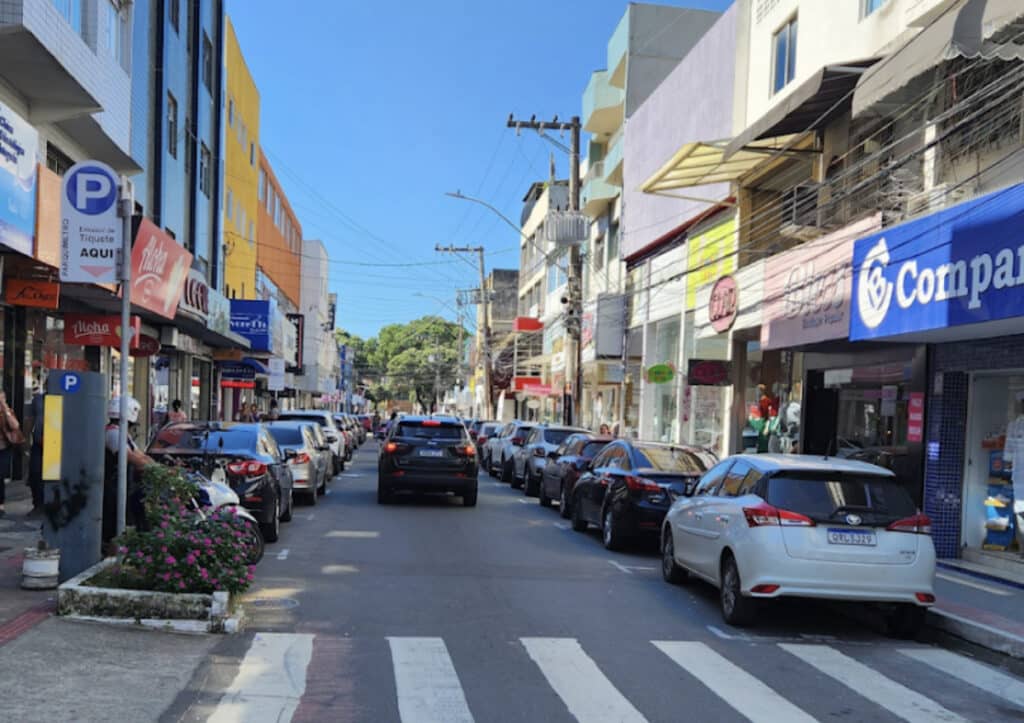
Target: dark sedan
[630,486]
[564,466]
[245,456]
[427,454]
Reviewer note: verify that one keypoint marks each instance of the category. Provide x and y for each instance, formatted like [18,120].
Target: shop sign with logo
[219,317]
[91,233]
[195,297]
[299,322]
[251,320]
[99,330]
[19,161]
[709,255]
[724,304]
[961,265]
[807,290]
[275,381]
[708,373]
[37,293]
[236,370]
[660,373]
[159,267]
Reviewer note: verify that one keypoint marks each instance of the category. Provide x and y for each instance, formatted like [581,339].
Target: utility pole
[574,301]
[484,352]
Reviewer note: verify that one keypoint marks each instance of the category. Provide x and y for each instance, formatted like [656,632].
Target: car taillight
[301,458]
[641,484]
[430,423]
[764,515]
[249,468]
[481,438]
[468,450]
[919,524]
[518,440]
[539,452]
[391,447]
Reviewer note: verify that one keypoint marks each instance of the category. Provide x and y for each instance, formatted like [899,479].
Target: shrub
[179,549]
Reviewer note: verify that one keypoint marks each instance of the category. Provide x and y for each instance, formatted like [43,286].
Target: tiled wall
[947,423]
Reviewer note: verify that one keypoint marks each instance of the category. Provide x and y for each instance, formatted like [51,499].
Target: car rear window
[674,459]
[824,497]
[185,439]
[286,435]
[311,418]
[590,449]
[429,431]
[556,436]
[488,429]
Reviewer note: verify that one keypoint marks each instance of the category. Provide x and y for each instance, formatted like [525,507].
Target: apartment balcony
[597,192]
[618,51]
[603,105]
[613,159]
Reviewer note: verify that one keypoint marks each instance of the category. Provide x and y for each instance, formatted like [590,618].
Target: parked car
[306,456]
[493,447]
[475,425]
[508,443]
[487,429]
[335,438]
[366,420]
[427,454]
[528,461]
[564,466]
[770,526]
[244,456]
[630,486]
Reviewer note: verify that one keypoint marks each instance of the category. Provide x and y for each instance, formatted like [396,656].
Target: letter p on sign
[70,382]
[92,190]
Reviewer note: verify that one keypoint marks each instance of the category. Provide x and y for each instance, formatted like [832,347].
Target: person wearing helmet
[137,460]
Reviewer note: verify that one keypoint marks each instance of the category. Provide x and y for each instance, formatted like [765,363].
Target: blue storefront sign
[251,319]
[961,265]
[19,158]
[237,370]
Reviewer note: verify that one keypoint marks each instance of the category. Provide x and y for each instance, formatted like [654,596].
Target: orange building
[278,235]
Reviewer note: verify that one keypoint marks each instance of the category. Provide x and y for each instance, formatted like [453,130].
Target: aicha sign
[723,306]
[159,267]
[98,330]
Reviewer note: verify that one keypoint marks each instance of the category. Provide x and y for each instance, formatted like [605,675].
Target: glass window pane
[780,60]
[791,47]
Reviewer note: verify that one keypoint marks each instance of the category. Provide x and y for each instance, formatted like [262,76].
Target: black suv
[427,454]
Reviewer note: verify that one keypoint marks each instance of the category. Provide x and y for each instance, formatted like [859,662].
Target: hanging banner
[91,231]
[98,330]
[299,322]
[36,293]
[275,382]
[159,267]
[19,150]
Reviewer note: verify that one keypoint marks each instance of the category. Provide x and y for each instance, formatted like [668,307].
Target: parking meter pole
[125,209]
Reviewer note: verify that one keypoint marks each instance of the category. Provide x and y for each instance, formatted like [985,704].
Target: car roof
[564,428]
[420,418]
[810,463]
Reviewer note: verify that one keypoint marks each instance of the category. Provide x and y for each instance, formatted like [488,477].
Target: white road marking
[352,475]
[970,583]
[897,699]
[523,502]
[980,676]
[310,516]
[620,568]
[581,685]
[354,534]
[745,693]
[283,554]
[641,568]
[270,681]
[718,632]
[428,686]
[561,525]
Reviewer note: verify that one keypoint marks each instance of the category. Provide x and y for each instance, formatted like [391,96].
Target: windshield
[286,435]
[557,436]
[677,460]
[823,496]
[436,431]
[591,449]
[188,438]
[320,419]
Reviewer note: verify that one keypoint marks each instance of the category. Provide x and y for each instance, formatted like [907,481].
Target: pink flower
[163,524]
[163,549]
[250,577]
[159,535]
[122,549]
[181,585]
[252,568]
[149,558]
[207,541]
[203,573]
[166,577]
[170,560]
[139,554]
[190,560]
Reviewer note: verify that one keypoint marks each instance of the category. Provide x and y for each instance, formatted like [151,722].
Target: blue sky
[372,111]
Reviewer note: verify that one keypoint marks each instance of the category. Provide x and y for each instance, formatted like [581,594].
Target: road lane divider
[428,687]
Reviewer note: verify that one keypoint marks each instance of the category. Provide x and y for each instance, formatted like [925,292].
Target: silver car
[306,455]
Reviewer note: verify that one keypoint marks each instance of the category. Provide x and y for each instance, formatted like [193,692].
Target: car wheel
[254,542]
[736,609]
[670,570]
[287,515]
[905,622]
[611,533]
[542,494]
[272,530]
[313,496]
[508,474]
[564,508]
[469,497]
[383,495]
[578,523]
[530,484]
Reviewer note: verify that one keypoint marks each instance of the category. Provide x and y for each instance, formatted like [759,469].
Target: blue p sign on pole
[70,382]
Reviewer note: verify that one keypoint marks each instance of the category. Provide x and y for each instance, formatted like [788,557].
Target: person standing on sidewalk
[176,415]
[35,460]
[11,437]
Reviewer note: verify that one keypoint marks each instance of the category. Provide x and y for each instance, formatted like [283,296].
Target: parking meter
[74,421]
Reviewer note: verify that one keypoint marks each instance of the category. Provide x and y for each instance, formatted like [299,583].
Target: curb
[978,633]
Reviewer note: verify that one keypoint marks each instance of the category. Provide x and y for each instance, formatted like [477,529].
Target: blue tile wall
[946,424]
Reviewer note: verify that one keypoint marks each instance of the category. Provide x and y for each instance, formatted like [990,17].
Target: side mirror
[552,455]
[691,487]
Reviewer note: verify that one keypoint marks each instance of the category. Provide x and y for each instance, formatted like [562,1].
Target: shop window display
[773,401]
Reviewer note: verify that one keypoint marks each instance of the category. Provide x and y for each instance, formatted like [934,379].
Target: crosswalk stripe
[270,681]
[969,671]
[897,699]
[577,680]
[428,686]
[745,693]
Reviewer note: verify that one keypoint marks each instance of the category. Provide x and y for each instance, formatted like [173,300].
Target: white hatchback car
[769,526]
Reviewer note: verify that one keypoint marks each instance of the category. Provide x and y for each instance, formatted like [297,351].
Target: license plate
[431,453]
[852,537]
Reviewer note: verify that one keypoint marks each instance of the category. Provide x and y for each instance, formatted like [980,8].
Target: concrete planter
[182,612]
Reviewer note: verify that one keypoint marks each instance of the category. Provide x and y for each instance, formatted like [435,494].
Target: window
[172,126]
[207,62]
[613,242]
[205,170]
[709,483]
[174,14]
[114,40]
[825,495]
[252,154]
[784,49]
[231,112]
[190,148]
[735,481]
[262,189]
[57,160]
[597,262]
[230,204]
[252,235]
[70,10]
[871,5]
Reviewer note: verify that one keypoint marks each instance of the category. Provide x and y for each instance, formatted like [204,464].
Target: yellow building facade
[241,172]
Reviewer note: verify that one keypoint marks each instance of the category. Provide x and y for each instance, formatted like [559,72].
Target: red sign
[724,304]
[97,330]
[708,373]
[147,346]
[537,390]
[915,417]
[520,383]
[159,268]
[527,323]
[237,384]
[32,292]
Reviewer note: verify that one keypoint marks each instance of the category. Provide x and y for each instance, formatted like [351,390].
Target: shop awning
[990,29]
[704,162]
[809,106]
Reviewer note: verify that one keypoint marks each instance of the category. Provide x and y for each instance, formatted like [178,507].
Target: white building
[319,350]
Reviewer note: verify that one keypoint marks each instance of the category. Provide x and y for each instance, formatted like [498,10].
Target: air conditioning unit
[800,212]
[933,199]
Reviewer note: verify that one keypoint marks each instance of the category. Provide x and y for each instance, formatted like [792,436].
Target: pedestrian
[176,415]
[274,413]
[137,461]
[605,430]
[11,437]
[35,460]
[376,421]
[245,413]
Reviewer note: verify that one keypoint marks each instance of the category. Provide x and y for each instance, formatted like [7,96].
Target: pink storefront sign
[807,289]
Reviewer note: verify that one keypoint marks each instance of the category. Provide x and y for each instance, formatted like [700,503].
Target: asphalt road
[428,611]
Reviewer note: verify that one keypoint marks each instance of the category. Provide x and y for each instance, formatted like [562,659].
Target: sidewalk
[20,609]
[981,606]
